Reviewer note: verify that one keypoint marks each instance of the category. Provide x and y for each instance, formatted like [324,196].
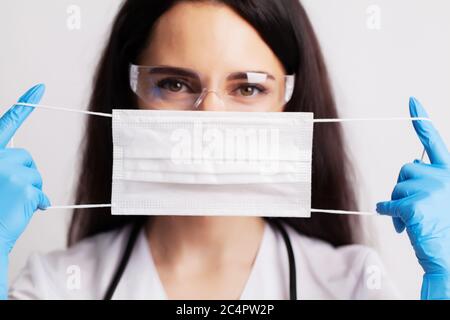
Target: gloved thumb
[44,201]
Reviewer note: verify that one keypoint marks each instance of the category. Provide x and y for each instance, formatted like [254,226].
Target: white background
[373,72]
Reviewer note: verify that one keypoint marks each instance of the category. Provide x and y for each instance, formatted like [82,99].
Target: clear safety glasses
[172,88]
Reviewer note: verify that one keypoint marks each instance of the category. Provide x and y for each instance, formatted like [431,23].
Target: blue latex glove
[420,203]
[20,183]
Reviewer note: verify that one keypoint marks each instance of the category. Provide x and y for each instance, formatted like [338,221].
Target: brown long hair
[285,27]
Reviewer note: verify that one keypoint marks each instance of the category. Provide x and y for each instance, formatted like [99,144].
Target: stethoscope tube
[291,257]
[135,233]
[123,261]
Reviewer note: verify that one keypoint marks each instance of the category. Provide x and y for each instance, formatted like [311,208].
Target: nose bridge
[209,100]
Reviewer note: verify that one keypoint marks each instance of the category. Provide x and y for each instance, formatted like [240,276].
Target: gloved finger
[409,171]
[18,156]
[399,225]
[40,200]
[433,143]
[16,115]
[30,176]
[407,188]
[391,208]
[406,208]
[44,201]
[387,207]
[414,170]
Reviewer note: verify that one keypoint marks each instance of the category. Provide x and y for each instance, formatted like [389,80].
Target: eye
[173,85]
[250,90]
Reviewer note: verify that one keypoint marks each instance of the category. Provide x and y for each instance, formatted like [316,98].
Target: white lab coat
[323,272]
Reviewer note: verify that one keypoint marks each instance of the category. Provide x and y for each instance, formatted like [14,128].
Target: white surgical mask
[211,163]
[184,163]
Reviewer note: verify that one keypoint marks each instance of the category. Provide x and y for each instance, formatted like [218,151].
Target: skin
[202,257]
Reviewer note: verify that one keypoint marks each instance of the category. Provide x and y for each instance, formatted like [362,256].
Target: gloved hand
[420,203]
[20,183]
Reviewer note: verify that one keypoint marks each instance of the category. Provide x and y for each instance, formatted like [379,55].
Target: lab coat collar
[140,279]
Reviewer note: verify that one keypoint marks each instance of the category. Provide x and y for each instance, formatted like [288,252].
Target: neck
[174,238]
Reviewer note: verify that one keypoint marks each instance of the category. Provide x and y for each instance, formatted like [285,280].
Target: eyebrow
[243,75]
[177,71]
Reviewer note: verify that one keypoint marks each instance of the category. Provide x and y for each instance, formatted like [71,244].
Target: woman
[221,257]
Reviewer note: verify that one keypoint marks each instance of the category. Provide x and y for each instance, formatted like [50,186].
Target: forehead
[208,36]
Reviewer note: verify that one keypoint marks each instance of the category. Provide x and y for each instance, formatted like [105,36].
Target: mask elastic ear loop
[89,206]
[325,120]
[101,114]
[11,143]
[362,213]
[81,206]
[423,155]
[332,120]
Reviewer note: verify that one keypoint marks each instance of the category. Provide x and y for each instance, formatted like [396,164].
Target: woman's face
[214,41]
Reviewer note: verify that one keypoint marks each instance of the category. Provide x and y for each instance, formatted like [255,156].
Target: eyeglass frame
[134,71]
